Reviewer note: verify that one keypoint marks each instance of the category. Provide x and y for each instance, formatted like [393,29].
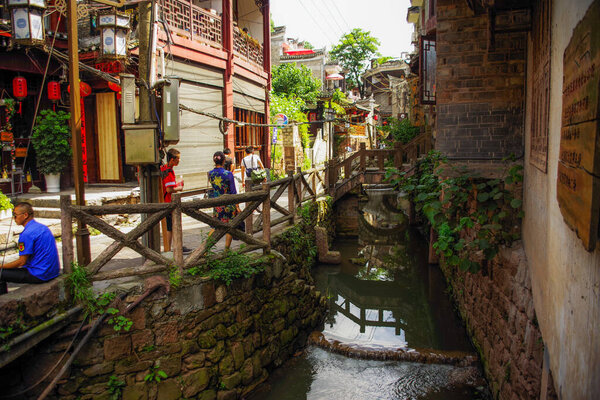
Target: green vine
[10,112]
[155,375]
[472,216]
[115,387]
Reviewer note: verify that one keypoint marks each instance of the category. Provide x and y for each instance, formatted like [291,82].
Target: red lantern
[53,91]
[375,117]
[114,87]
[20,89]
[84,89]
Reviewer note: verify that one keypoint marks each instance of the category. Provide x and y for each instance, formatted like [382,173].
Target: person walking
[38,256]
[250,163]
[229,164]
[170,186]
[222,182]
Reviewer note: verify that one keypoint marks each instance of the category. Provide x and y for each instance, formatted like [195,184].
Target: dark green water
[382,296]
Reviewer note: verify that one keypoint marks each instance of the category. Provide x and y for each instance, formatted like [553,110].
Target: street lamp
[114,26]
[27,21]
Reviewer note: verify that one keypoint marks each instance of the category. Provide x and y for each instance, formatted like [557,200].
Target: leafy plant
[293,81]
[472,216]
[9,105]
[50,139]
[155,375]
[119,321]
[232,266]
[175,277]
[115,387]
[80,287]
[399,130]
[5,203]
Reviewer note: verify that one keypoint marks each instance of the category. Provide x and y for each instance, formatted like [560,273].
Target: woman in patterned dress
[222,182]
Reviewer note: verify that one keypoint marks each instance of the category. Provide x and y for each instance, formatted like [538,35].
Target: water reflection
[383,295]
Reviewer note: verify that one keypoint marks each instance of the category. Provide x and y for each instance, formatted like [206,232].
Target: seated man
[38,257]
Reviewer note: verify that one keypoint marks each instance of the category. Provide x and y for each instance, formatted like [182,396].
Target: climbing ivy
[471,215]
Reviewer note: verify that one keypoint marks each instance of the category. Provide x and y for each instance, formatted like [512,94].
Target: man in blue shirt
[38,256]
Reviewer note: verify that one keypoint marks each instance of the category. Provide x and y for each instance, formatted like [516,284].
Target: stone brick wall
[497,307]
[212,341]
[480,91]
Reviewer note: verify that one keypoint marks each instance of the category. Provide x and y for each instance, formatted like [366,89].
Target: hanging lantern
[53,93]
[114,87]
[115,27]
[84,89]
[20,90]
[375,117]
[27,21]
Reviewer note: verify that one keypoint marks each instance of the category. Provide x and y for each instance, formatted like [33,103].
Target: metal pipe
[43,326]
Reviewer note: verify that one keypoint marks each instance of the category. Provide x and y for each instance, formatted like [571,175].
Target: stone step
[47,212]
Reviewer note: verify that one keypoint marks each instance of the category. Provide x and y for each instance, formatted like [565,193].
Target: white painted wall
[565,277]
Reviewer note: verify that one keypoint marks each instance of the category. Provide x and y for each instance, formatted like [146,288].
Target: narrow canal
[384,299]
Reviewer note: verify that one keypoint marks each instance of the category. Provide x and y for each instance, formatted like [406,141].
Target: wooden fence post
[397,155]
[363,153]
[248,186]
[314,181]
[177,245]
[66,226]
[299,185]
[326,176]
[291,187]
[266,218]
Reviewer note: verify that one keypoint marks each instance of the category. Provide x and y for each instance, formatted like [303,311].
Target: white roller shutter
[248,96]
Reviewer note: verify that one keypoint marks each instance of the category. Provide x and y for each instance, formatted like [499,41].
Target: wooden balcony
[193,22]
[201,25]
[247,48]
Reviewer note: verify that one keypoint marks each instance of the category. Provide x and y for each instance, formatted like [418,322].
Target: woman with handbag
[222,182]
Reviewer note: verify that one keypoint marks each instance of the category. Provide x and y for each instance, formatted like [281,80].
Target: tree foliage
[353,52]
[292,81]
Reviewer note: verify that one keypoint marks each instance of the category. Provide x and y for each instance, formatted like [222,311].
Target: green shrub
[50,139]
[5,203]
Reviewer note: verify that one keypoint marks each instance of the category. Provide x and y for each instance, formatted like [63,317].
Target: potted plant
[50,139]
[6,206]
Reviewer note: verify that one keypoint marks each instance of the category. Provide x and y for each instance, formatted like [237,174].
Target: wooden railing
[193,22]
[301,187]
[363,159]
[247,48]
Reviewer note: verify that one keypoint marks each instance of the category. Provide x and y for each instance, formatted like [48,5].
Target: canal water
[384,299]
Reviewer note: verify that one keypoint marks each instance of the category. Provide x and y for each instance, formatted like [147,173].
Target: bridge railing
[363,159]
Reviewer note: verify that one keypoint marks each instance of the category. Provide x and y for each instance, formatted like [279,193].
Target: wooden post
[299,188]
[380,160]
[314,182]
[397,155]
[266,218]
[363,153]
[291,206]
[66,225]
[248,186]
[326,176]
[83,234]
[177,245]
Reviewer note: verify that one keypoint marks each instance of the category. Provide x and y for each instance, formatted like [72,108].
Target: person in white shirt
[250,163]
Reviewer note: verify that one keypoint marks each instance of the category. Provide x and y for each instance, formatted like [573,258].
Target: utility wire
[333,18]
[341,15]
[315,21]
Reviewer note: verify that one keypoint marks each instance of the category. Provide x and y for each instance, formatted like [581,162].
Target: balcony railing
[193,22]
[247,48]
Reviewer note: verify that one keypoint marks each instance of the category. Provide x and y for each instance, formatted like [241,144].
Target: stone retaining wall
[497,307]
[212,341]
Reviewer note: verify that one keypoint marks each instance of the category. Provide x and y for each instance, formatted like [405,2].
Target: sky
[323,22]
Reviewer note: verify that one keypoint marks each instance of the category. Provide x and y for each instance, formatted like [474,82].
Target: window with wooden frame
[428,69]
[255,136]
[540,99]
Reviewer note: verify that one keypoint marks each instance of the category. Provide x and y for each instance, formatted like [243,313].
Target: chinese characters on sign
[578,180]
